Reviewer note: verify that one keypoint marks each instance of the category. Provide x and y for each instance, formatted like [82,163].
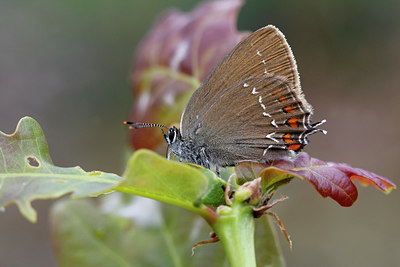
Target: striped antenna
[139,125]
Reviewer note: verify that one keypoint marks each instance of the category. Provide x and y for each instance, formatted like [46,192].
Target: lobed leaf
[327,180]
[366,177]
[27,172]
[176,55]
[330,179]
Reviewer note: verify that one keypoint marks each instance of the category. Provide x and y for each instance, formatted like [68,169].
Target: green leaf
[272,178]
[268,252]
[215,194]
[152,176]
[85,234]
[27,172]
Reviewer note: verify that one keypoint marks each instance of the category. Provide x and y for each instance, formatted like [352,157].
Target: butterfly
[250,107]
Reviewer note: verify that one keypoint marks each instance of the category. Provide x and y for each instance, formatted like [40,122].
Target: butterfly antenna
[139,125]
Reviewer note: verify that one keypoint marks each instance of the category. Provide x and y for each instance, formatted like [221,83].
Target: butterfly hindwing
[248,119]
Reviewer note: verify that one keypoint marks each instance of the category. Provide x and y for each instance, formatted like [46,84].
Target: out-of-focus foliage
[172,61]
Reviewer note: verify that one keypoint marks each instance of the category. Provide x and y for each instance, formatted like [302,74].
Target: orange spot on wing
[288,109]
[292,122]
[276,92]
[288,139]
[282,99]
[294,147]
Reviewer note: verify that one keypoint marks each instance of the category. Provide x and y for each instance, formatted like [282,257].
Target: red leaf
[327,180]
[176,55]
[367,178]
[330,179]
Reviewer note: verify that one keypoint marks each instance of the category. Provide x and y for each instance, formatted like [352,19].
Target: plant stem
[235,230]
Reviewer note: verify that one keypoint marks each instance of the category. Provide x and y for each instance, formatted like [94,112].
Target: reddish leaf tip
[330,179]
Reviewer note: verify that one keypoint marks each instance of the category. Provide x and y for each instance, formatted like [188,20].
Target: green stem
[235,230]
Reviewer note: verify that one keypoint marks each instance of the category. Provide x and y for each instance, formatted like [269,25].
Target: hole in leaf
[33,161]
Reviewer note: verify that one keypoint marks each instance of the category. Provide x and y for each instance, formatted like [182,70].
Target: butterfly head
[174,140]
[173,136]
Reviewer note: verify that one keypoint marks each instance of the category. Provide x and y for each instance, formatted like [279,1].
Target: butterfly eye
[171,135]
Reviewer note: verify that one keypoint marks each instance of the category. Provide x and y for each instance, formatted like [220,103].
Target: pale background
[66,63]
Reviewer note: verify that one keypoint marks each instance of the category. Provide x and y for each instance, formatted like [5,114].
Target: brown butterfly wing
[255,116]
[263,52]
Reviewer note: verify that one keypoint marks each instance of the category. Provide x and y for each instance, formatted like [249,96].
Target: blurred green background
[66,63]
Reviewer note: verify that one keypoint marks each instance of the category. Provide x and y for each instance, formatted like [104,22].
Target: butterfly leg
[168,154]
[217,169]
[204,161]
